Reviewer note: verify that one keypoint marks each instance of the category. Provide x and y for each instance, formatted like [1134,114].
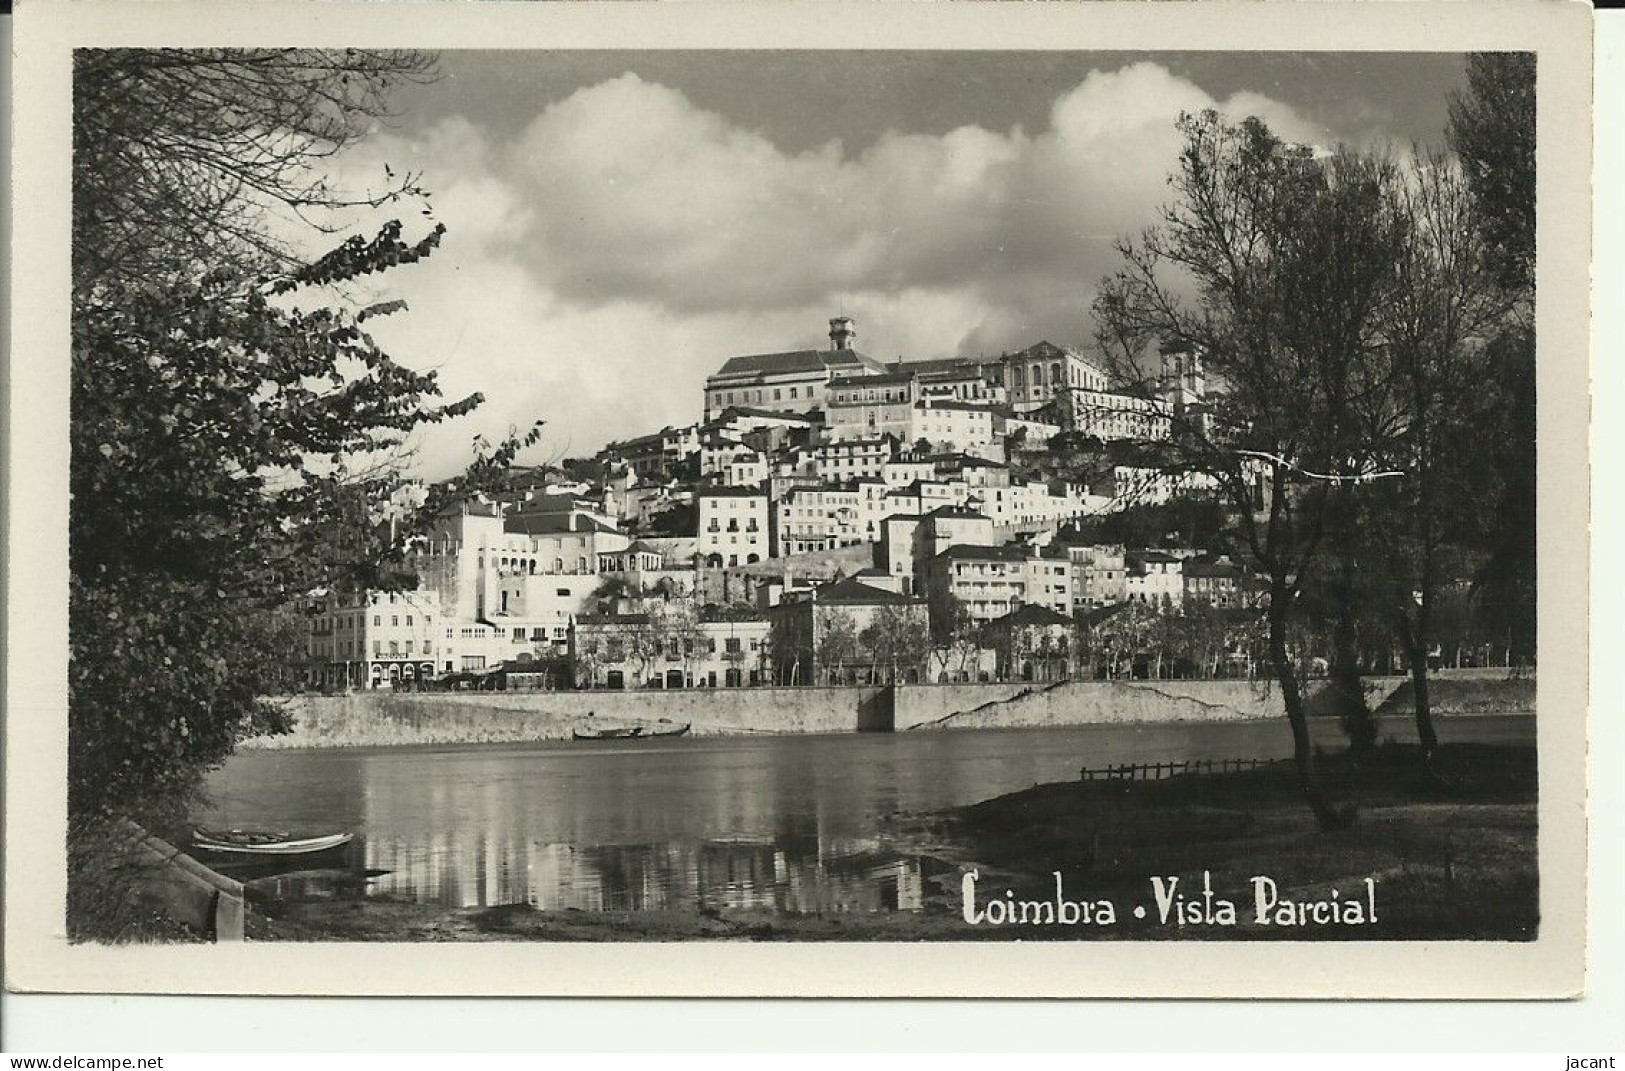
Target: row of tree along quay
[236,431]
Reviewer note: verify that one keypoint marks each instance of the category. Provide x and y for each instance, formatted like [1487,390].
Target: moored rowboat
[253,842]
[629,732]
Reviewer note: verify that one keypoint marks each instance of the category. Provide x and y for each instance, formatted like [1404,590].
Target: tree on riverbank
[1270,264]
[230,412]
[1492,130]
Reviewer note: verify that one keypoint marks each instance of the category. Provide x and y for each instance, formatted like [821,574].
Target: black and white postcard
[756,499]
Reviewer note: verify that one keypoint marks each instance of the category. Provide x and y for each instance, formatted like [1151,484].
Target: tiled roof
[652,439]
[1032,614]
[854,592]
[1101,613]
[939,366]
[794,361]
[1047,349]
[966,461]
[553,524]
[727,415]
[612,619]
[1211,569]
[731,492]
[878,379]
[975,552]
[958,407]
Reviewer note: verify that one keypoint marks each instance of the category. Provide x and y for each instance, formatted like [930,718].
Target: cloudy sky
[620,223]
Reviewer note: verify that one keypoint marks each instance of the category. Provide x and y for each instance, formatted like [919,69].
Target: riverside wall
[383,718]
[1107,702]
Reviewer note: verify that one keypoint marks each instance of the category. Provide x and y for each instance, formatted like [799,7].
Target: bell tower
[843,331]
[1183,383]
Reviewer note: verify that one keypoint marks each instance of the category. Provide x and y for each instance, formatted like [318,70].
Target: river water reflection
[791,824]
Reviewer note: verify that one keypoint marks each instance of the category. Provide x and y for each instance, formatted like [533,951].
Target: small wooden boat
[250,843]
[605,733]
[628,732]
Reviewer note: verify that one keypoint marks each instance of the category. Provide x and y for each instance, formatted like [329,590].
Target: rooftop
[941,366]
[955,513]
[729,414]
[965,461]
[959,407]
[983,553]
[1212,569]
[730,492]
[763,364]
[554,524]
[854,592]
[1032,614]
[878,379]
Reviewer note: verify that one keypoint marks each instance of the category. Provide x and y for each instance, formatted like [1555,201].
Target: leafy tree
[1492,130]
[952,632]
[590,653]
[1285,256]
[1129,631]
[234,427]
[837,643]
[1443,309]
[896,640]
[186,160]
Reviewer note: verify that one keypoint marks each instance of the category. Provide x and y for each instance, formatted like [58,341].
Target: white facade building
[734,526]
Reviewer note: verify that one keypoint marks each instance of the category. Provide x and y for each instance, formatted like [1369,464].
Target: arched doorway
[674,678]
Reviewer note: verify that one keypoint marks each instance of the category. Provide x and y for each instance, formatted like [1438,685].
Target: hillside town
[831,519]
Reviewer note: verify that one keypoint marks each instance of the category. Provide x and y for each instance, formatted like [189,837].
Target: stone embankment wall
[381,718]
[1108,702]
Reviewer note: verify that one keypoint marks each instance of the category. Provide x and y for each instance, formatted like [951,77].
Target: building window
[377,620]
[408,620]
[562,592]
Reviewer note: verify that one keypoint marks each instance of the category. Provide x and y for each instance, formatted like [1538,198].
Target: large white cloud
[599,265]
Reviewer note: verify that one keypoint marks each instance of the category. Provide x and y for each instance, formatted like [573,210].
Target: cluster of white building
[799,453]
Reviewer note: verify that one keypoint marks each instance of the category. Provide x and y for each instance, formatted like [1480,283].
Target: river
[786,823]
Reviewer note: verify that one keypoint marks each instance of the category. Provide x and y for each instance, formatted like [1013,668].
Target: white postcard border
[38,956]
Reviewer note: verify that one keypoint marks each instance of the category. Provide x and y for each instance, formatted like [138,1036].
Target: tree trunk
[1425,732]
[1352,710]
[1303,752]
